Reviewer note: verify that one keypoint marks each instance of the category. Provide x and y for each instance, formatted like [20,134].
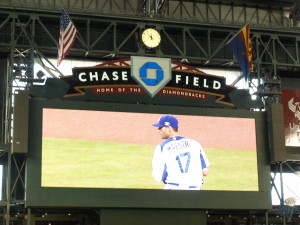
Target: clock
[151,37]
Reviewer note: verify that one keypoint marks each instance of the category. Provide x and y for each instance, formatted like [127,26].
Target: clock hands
[151,38]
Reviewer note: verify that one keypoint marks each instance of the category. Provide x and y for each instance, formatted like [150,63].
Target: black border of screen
[37,196]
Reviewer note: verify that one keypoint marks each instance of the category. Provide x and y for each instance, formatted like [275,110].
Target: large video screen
[96,154]
[106,149]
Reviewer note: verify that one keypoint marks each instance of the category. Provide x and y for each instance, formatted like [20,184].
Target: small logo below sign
[151,73]
[291,201]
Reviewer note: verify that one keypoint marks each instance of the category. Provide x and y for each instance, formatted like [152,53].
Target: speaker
[20,122]
[276,132]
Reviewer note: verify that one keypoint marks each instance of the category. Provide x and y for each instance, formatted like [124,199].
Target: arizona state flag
[240,45]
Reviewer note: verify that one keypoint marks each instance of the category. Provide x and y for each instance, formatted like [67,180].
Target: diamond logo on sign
[144,75]
[151,73]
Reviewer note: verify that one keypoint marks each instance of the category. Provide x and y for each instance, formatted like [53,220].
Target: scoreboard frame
[38,196]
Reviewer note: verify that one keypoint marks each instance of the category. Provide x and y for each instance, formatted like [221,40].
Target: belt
[178,185]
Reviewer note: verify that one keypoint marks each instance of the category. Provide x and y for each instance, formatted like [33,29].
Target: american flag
[67,36]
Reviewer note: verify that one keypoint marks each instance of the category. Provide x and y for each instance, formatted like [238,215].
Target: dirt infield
[211,132]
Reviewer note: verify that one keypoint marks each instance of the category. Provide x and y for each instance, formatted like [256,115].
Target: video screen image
[105,149]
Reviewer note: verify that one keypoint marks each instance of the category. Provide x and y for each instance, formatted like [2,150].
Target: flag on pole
[67,36]
[241,47]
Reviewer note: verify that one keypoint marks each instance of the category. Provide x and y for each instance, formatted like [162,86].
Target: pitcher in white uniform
[179,162]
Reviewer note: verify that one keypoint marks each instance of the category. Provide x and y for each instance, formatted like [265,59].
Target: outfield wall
[101,127]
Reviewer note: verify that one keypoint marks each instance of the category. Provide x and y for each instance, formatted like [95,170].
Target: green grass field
[81,163]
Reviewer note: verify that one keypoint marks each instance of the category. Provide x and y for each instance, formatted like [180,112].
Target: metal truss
[198,44]
[20,66]
[264,13]
[287,208]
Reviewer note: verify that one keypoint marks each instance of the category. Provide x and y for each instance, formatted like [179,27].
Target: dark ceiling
[271,3]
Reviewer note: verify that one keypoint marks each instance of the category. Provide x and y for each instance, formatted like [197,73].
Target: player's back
[182,160]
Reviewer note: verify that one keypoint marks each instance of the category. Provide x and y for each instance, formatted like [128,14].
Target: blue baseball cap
[167,121]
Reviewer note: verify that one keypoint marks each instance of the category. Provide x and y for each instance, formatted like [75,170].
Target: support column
[3,97]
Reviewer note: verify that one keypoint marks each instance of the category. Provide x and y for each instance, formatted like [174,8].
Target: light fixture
[297,170]
[40,74]
[184,61]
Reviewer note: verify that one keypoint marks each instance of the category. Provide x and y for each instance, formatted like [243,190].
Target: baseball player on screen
[179,162]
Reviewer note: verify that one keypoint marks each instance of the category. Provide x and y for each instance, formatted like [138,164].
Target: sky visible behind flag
[241,47]
[67,36]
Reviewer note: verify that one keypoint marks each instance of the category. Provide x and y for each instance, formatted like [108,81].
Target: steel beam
[200,44]
[260,13]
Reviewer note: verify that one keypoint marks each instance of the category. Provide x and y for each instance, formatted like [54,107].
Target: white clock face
[151,38]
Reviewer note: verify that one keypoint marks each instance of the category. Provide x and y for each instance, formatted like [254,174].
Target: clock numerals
[151,38]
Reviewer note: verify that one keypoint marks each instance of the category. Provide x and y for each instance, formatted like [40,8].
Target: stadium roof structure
[276,3]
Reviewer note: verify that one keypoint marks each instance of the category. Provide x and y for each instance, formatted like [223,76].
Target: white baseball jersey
[178,162]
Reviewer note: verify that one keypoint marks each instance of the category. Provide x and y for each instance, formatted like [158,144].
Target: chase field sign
[155,77]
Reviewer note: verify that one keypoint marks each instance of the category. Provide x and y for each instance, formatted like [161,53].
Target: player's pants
[174,186]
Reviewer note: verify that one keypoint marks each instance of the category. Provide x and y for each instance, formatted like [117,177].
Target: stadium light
[297,170]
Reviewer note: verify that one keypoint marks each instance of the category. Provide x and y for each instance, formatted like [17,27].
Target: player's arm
[204,163]
[158,167]
[204,166]
[205,171]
